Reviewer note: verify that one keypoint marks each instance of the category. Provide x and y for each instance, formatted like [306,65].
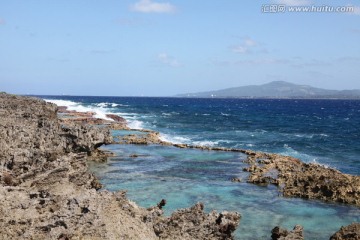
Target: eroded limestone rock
[350,232]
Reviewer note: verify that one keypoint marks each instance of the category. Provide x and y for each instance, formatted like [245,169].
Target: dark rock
[235,179]
[161,204]
[282,234]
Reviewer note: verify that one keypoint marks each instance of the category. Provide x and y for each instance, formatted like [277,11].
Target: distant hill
[276,89]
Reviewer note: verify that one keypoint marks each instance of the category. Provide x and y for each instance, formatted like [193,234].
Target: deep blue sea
[320,131]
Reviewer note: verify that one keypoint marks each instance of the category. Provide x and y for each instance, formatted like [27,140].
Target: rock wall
[46,191]
[298,179]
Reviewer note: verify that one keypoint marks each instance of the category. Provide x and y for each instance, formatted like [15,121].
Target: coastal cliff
[47,192]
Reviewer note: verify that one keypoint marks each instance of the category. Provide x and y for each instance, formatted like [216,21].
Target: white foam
[314,161]
[174,139]
[107,104]
[135,124]
[100,112]
[206,143]
[65,103]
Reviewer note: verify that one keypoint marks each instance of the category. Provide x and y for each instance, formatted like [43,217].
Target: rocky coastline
[48,192]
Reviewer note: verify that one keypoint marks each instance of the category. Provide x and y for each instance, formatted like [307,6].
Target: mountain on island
[276,89]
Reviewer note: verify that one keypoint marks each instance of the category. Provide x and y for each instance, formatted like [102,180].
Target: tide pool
[186,176]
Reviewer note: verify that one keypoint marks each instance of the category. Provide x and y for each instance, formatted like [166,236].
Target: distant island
[277,89]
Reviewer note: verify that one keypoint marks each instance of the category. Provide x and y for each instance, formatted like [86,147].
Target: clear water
[324,131]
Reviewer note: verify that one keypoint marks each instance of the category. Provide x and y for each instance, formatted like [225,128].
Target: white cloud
[249,42]
[168,60]
[294,2]
[2,21]
[148,6]
[245,46]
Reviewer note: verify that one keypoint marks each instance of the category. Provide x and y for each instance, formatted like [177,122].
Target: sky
[168,47]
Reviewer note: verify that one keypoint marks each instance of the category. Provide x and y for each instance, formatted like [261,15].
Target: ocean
[326,132]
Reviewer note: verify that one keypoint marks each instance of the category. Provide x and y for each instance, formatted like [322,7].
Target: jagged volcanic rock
[47,192]
[282,234]
[298,179]
[350,232]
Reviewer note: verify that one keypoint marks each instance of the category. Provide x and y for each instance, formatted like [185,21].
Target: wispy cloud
[245,46]
[2,21]
[293,2]
[148,6]
[168,60]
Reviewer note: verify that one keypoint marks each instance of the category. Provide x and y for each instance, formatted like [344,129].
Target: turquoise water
[186,176]
[322,131]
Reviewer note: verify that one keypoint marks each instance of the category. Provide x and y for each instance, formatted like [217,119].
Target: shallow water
[186,176]
[322,131]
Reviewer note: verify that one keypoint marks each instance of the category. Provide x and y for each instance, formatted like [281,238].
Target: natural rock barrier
[298,179]
[293,177]
[47,192]
[350,232]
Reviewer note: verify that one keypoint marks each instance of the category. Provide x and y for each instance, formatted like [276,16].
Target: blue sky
[166,47]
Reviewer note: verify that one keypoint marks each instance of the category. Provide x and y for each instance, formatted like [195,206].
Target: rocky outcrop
[279,233]
[298,179]
[114,121]
[47,192]
[350,232]
[148,138]
[193,223]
